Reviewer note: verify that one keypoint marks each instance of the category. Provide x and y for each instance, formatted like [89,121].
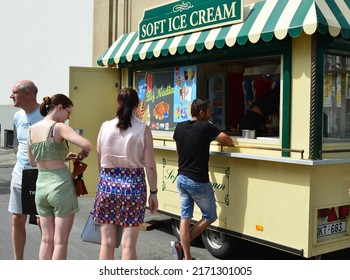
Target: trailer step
[149,225]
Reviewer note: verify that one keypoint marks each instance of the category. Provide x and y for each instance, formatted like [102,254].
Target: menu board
[184,92]
[166,96]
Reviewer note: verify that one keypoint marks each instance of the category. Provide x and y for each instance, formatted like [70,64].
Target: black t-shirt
[192,142]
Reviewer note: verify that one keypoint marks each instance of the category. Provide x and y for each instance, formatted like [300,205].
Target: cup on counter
[248,134]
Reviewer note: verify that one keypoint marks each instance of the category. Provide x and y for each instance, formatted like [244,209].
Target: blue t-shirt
[22,122]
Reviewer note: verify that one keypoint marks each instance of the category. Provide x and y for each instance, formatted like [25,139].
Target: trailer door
[93,92]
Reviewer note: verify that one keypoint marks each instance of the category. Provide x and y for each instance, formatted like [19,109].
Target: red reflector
[344,211]
[332,216]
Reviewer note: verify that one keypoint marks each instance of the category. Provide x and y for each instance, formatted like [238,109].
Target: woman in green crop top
[55,196]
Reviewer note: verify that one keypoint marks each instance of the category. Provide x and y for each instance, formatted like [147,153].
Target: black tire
[220,245]
[175,226]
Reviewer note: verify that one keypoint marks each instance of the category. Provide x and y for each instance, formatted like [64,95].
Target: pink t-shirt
[121,148]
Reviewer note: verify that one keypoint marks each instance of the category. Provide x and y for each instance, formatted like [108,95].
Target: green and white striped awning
[263,20]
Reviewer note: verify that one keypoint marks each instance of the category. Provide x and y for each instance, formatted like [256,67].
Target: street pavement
[152,244]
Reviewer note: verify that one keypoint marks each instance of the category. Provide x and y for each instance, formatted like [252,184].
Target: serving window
[233,88]
[336,98]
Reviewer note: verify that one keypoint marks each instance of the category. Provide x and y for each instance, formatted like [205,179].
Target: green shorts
[55,193]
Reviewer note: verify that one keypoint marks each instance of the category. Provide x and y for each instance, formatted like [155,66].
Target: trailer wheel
[220,245]
[175,226]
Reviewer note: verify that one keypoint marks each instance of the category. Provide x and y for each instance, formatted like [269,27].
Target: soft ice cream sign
[188,16]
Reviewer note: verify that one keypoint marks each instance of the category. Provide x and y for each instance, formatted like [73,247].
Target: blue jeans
[196,192]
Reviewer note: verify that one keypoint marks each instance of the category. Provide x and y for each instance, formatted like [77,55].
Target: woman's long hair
[53,101]
[127,100]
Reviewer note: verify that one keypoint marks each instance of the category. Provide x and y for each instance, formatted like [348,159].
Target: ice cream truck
[285,188]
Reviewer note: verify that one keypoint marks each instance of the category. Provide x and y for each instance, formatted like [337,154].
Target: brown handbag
[78,169]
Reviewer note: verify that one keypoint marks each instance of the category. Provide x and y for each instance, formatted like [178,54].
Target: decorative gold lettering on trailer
[219,177]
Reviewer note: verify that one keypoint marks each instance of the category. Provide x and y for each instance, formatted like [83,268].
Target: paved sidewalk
[7,157]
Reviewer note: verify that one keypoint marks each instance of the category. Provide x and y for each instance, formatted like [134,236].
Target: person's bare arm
[151,171]
[224,139]
[98,149]
[30,155]
[150,162]
[68,133]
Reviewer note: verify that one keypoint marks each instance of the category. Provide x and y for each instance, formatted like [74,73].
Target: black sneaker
[176,249]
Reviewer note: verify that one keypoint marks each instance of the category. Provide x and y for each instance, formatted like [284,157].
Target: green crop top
[49,150]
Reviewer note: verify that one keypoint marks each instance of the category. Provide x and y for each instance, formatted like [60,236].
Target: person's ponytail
[128,100]
[45,106]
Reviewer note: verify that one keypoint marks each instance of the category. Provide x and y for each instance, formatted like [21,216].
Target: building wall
[40,39]
[6,123]
[113,18]
[102,28]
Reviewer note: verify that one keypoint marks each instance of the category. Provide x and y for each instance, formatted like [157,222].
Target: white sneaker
[176,250]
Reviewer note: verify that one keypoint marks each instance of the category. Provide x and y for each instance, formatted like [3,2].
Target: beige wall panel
[248,195]
[301,73]
[330,181]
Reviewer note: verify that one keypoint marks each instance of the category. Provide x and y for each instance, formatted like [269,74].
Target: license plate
[331,228]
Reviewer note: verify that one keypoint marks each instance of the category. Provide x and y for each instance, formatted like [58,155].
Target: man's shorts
[196,192]
[15,204]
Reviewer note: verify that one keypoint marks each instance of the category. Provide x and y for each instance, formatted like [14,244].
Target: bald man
[24,95]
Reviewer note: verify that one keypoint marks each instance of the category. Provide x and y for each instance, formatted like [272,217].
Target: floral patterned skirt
[121,197]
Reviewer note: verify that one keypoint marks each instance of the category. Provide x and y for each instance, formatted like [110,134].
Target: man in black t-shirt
[193,140]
